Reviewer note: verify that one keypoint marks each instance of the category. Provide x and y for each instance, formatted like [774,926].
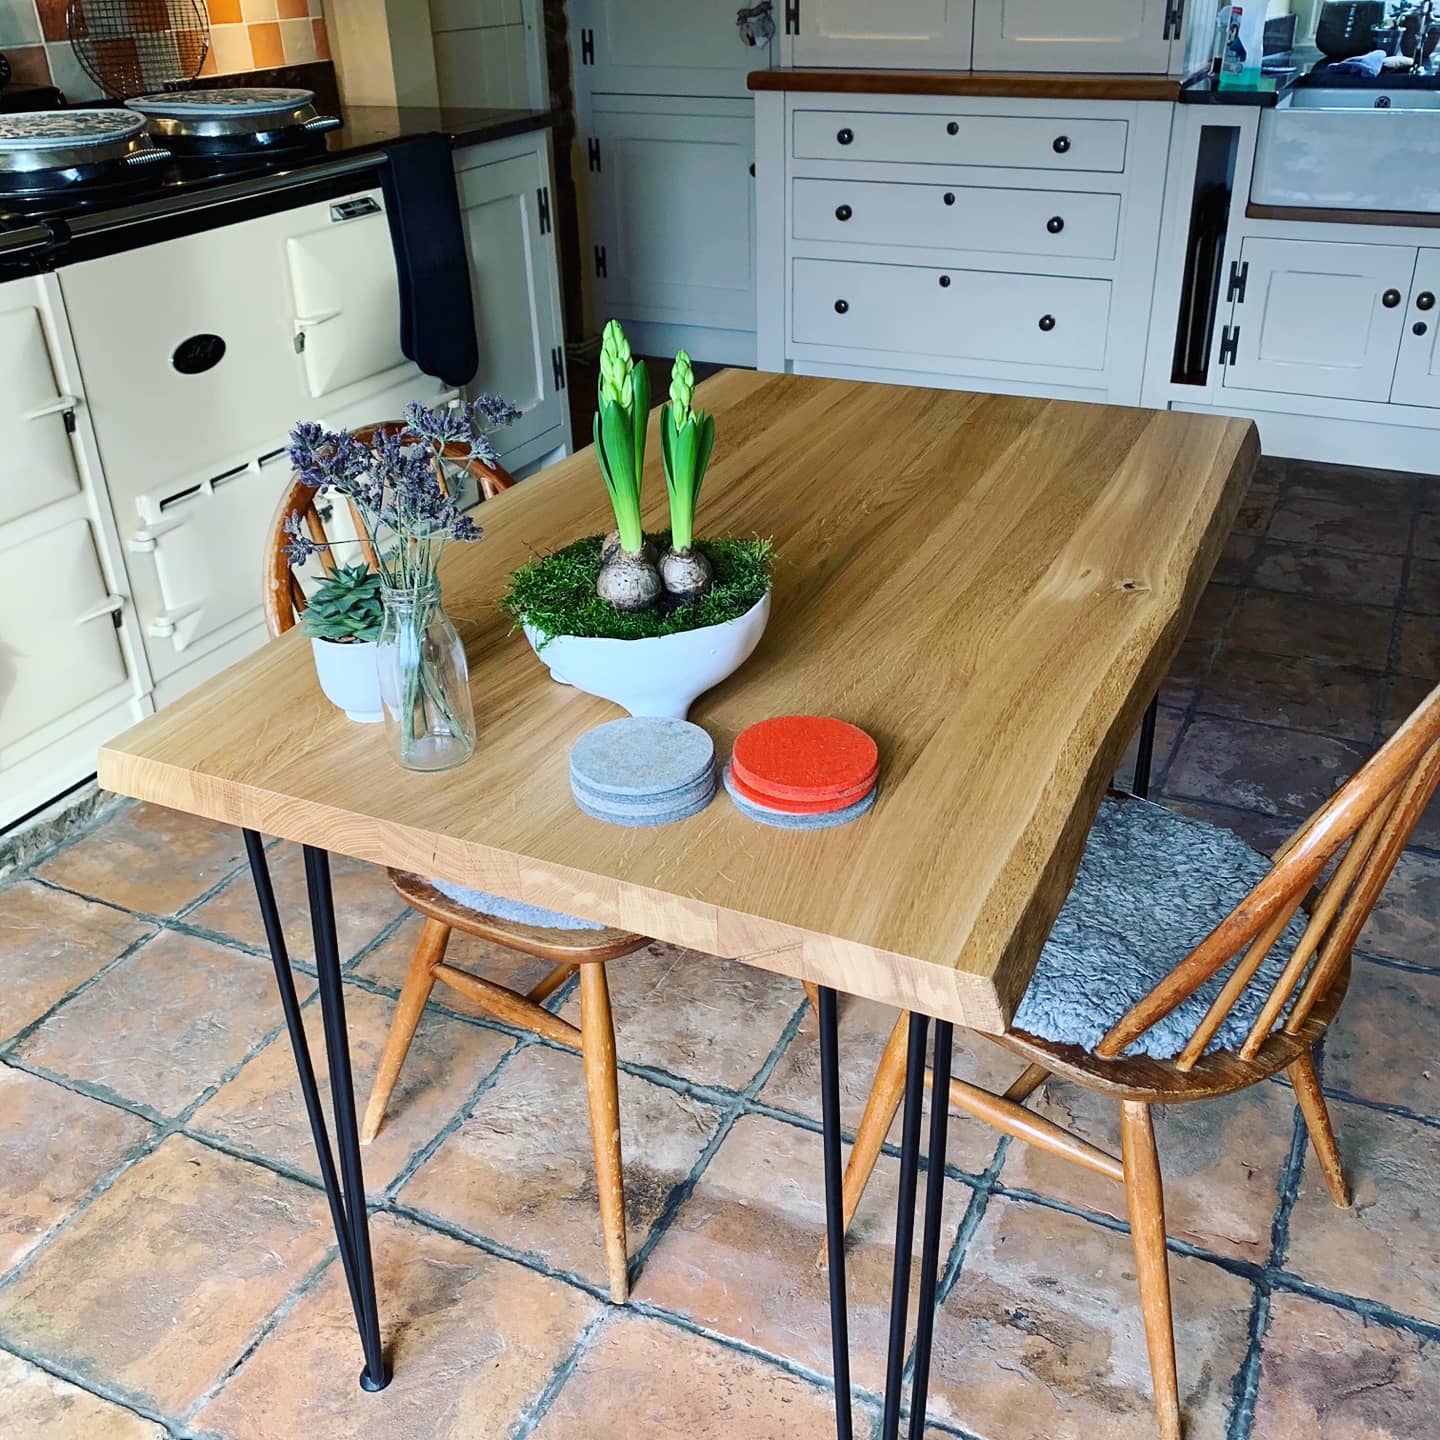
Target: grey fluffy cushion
[1151,886]
[500,908]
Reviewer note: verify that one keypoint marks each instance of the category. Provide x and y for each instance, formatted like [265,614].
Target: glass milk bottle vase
[424,681]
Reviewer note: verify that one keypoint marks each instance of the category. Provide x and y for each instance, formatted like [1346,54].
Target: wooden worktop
[1018,85]
[993,586]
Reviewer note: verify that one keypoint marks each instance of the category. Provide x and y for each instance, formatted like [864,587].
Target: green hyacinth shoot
[620,432]
[687,438]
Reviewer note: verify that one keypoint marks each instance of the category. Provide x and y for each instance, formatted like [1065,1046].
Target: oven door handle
[57,406]
[110,605]
[143,542]
[303,322]
[165,626]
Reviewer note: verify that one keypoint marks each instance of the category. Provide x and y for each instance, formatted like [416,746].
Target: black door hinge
[587,47]
[1239,278]
[1174,19]
[542,201]
[1229,345]
[593,150]
[601,270]
[792,17]
[557,362]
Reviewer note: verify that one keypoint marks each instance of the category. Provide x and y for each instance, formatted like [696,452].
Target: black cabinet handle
[842,307]
[845,136]
[1420,327]
[1061,145]
[843,212]
[1390,299]
[1425,300]
[1047,323]
[944,282]
[952,128]
[752,169]
[1055,224]
[949,197]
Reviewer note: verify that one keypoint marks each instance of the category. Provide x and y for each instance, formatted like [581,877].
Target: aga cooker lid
[66,129]
[215,104]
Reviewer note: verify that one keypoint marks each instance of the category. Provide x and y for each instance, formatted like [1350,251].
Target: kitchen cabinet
[35,413]
[683,47]
[1111,36]
[1417,375]
[901,34]
[1313,318]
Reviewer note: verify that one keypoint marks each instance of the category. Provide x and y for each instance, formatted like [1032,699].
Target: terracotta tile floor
[167,1265]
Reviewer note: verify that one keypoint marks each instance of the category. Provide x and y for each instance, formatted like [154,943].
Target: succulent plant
[687,439]
[346,607]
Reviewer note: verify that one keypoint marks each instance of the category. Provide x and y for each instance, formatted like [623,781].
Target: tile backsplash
[244,35]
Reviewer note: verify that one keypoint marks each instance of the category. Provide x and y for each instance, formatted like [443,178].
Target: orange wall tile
[292,9]
[265,45]
[29,64]
[322,41]
[224,12]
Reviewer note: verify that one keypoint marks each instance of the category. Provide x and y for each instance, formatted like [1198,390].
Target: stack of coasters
[803,772]
[642,772]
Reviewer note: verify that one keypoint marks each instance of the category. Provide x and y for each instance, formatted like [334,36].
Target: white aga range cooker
[169,308]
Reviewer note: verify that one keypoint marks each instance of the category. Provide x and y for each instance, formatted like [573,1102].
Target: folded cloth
[437,314]
[499,908]
[1370,64]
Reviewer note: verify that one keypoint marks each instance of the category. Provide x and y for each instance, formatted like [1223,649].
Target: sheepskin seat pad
[512,911]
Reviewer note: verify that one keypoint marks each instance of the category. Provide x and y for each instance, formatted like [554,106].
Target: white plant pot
[662,676]
[349,677]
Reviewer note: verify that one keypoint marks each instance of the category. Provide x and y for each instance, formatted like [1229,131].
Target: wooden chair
[1362,829]
[566,949]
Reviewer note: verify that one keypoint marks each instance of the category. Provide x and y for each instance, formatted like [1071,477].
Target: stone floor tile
[1041,1338]
[148,858]
[739,1258]
[864,1028]
[1187,670]
[520,1169]
[1405,694]
[262,1110]
[1255,511]
[365,903]
[164,1024]
[1255,767]
[1300,694]
[1422,591]
[1221,1160]
[709,1020]
[1237,556]
[1213,613]
[1352,484]
[472,1342]
[1331,1373]
[1264,834]
[51,943]
[1344,634]
[388,963]
[1360,525]
[1381,1046]
[1427,536]
[648,1381]
[159,1287]
[1328,577]
[1387,1246]
[1405,925]
[1418,650]
[55,1146]
[35,1405]
[1168,724]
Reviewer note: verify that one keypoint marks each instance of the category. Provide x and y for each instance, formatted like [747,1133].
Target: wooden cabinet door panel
[1117,36]
[924,34]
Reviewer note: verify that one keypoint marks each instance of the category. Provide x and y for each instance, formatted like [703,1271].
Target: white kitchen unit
[1102,36]
[900,34]
[667,144]
[490,54]
[966,242]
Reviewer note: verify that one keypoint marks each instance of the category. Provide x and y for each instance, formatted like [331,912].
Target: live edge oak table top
[993,586]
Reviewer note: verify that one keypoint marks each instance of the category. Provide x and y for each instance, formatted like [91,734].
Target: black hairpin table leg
[1145,752]
[904,1220]
[345,1192]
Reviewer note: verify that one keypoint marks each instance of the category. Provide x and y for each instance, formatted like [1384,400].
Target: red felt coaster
[799,807]
[805,757]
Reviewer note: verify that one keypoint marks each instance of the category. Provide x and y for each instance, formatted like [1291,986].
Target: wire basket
[136,47]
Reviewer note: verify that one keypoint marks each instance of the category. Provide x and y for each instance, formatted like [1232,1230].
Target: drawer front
[1013,142]
[940,217]
[974,315]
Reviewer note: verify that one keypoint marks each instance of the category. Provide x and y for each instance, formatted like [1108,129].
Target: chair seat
[497,907]
[1151,886]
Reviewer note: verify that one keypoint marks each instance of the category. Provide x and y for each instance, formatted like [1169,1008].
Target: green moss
[556,593]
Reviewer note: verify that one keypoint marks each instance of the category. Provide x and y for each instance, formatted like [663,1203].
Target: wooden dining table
[992,586]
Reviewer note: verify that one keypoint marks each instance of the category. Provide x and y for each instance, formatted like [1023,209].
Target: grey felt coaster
[641,817]
[781,821]
[641,757]
[704,785]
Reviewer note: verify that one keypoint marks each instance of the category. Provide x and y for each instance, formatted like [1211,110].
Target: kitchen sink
[1324,97]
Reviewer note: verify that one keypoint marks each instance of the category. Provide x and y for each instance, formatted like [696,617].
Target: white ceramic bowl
[662,676]
[349,677]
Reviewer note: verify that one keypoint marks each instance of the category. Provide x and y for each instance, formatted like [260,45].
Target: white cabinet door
[1312,318]
[924,34]
[512,284]
[1417,376]
[680,47]
[673,221]
[1118,36]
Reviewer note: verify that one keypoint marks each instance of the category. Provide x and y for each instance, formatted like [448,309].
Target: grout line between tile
[529,1419]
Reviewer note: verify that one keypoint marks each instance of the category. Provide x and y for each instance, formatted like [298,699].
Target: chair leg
[1145,1200]
[602,1086]
[885,1096]
[1317,1122]
[408,1008]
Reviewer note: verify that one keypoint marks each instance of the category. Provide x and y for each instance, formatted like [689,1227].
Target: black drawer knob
[1047,323]
[1055,224]
[949,197]
[944,282]
[1390,299]
[842,307]
[953,128]
[1061,145]
[843,212]
[1420,327]
[1425,300]
[845,136]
